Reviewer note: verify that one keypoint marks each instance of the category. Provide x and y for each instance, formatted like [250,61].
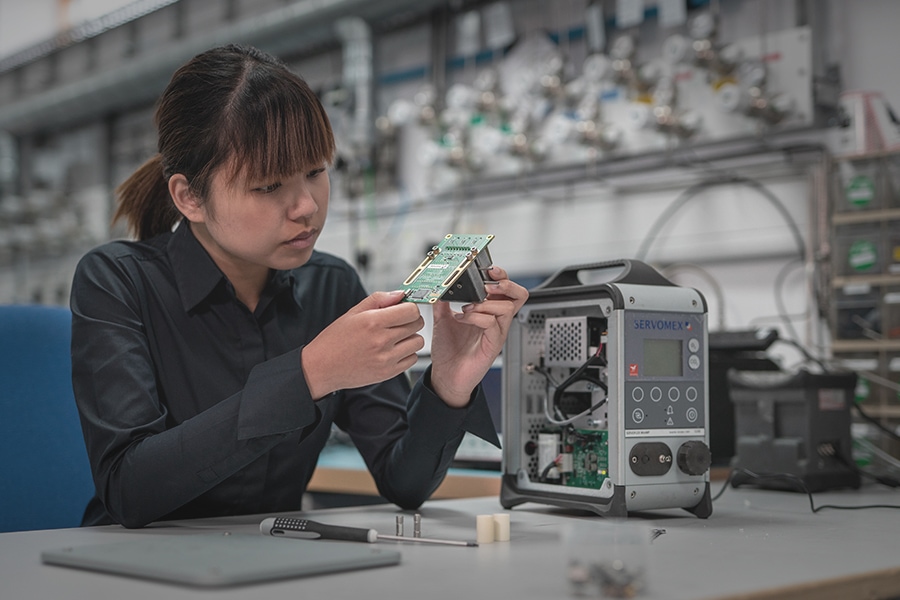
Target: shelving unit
[865,275]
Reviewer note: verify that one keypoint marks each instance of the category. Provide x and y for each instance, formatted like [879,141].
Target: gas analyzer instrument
[605,394]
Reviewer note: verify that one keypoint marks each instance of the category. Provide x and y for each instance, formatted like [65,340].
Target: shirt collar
[195,272]
[197,275]
[279,283]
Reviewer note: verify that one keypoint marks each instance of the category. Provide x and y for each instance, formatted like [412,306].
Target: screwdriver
[313,530]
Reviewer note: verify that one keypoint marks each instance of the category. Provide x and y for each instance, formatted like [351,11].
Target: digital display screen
[662,358]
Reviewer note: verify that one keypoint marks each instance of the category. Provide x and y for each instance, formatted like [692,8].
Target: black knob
[694,457]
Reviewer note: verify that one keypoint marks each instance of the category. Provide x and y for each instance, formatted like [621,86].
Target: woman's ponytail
[144,201]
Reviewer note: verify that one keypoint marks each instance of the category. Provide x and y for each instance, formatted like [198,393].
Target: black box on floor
[794,426]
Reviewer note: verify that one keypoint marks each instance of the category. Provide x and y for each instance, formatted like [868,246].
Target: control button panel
[672,405]
[664,371]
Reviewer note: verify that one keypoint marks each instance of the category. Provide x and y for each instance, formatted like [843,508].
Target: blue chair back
[45,478]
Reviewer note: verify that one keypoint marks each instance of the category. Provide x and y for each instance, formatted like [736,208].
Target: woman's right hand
[375,340]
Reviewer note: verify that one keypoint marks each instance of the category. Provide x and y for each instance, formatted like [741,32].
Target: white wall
[25,23]
[867,45]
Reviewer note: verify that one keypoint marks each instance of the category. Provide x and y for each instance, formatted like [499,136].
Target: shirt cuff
[275,399]
[430,413]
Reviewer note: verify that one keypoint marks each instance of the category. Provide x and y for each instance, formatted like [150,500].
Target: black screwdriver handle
[304,528]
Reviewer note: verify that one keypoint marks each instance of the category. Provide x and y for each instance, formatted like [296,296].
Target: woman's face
[252,225]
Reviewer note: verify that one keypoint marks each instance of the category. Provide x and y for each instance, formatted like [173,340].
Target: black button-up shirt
[192,406]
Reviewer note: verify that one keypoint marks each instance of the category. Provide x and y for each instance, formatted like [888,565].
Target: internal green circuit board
[590,458]
[452,270]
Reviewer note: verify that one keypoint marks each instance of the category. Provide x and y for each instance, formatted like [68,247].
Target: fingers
[378,300]
[505,288]
[441,310]
[482,320]
[497,308]
[385,299]
[508,290]
[409,347]
[504,299]
[400,335]
[400,323]
[384,309]
[387,326]
[496,273]
[487,315]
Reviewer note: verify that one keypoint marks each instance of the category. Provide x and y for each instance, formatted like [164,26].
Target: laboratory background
[702,197]
[744,148]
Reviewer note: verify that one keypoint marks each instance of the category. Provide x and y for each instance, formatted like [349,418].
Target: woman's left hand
[465,344]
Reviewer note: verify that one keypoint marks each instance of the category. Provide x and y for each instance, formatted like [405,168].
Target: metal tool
[400,538]
[306,529]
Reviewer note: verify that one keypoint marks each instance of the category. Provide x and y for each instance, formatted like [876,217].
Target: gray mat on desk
[220,560]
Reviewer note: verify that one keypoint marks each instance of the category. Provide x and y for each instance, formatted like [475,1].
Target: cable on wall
[694,191]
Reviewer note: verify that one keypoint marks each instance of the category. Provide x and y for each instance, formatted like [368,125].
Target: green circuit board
[590,450]
[451,267]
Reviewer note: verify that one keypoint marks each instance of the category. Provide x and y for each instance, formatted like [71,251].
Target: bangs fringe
[275,128]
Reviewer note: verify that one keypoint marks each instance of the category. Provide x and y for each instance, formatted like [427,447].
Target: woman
[209,362]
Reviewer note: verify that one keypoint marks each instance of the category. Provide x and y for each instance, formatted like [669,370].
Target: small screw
[631,299]
[633,494]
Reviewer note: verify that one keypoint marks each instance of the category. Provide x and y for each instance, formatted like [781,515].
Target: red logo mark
[632,370]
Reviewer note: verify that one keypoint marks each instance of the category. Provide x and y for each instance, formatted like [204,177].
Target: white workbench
[757,544]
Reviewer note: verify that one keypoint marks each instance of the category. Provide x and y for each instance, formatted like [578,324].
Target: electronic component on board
[454,271]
